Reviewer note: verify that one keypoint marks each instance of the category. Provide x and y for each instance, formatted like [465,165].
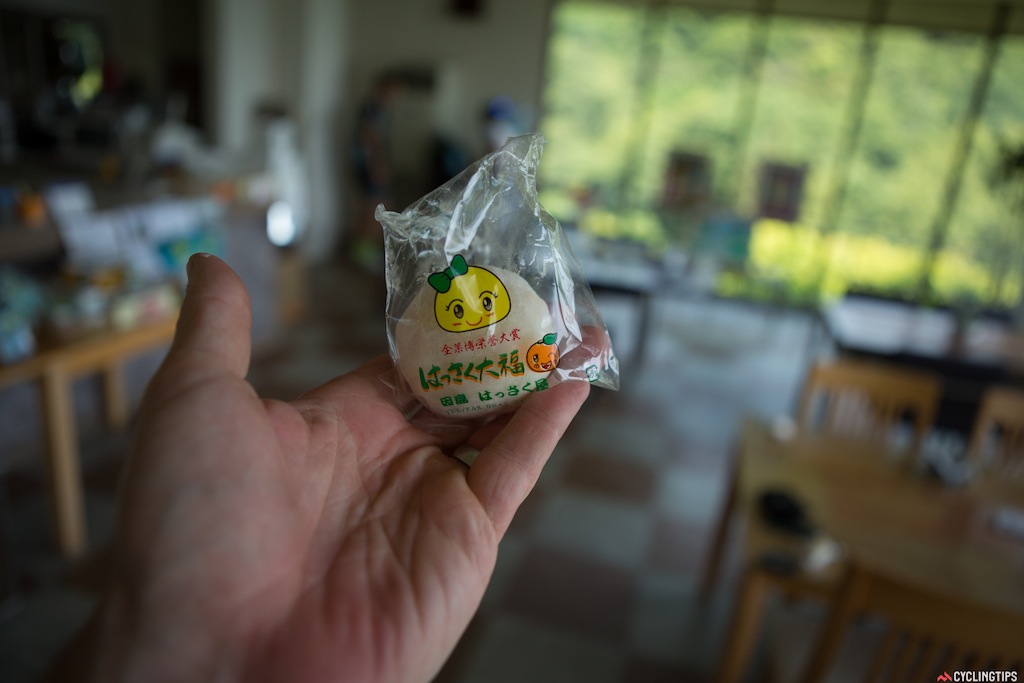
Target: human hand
[326,539]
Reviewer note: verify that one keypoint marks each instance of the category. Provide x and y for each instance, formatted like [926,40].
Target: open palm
[326,539]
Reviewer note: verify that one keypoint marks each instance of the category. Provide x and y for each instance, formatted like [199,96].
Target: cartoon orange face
[543,355]
[468,297]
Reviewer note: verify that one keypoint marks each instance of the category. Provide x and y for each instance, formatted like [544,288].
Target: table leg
[744,628]
[643,328]
[713,564]
[115,396]
[65,470]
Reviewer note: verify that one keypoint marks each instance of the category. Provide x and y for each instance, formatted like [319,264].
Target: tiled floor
[597,578]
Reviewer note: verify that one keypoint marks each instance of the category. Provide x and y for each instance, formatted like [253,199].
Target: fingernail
[191,261]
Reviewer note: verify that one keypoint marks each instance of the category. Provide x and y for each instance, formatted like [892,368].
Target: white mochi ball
[466,351]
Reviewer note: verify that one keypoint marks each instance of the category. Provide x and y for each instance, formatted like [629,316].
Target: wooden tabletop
[89,351]
[886,510]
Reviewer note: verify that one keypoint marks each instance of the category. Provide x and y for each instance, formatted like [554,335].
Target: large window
[983,254]
[590,103]
[861,127]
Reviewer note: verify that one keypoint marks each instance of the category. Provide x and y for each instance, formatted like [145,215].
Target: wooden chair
[868,399]
[926,634]
[997,442]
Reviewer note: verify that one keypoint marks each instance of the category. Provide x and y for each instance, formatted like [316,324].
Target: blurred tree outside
[629,86]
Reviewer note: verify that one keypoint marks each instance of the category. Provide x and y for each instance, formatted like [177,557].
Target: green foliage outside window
[628,86]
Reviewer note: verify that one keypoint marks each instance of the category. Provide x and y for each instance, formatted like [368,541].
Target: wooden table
[882,508]
[56,368]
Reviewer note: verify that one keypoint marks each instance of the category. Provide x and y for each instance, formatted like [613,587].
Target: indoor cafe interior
[801,223]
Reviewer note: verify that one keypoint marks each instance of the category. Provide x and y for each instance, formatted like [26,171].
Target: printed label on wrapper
[475,340]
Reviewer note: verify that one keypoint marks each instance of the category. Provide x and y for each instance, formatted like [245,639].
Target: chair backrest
[868,399]
[928,635]
[997,442]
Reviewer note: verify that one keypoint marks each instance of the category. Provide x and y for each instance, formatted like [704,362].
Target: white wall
[307,54]
[501,52]
[245,48]
[323,93]
[291,53]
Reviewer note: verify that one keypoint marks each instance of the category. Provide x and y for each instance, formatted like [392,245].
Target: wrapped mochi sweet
[486,303]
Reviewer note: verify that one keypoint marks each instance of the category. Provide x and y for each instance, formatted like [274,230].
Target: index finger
[506,470]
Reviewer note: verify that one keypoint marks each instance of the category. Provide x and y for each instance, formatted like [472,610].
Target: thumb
[213,333]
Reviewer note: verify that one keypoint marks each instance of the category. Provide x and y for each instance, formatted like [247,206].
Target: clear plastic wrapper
[486,304]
